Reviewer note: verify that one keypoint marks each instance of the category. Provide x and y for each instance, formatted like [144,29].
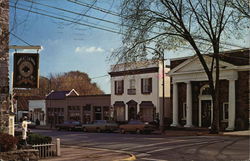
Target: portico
[190,73]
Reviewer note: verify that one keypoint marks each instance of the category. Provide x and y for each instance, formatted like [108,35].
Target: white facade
[37,110]
[137,72]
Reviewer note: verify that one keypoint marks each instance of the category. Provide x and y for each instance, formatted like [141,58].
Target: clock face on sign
[25,70]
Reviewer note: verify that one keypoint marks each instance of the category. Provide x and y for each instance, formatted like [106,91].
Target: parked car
[69,125]
[100,125]
[136,126]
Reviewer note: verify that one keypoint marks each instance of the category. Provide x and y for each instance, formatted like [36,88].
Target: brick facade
[238,58]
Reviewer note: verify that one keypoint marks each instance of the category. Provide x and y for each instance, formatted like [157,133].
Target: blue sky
[68,46]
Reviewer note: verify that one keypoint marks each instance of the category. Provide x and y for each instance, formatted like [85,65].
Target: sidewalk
[171,132]
[74,153]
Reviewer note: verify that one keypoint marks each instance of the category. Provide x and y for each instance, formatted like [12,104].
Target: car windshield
[100,122]
[135,122]
[76,122]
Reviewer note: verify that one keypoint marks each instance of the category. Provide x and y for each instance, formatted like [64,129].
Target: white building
[137,90]
[37,111]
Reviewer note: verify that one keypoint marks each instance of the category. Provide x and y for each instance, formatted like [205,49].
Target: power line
[20,39]
[108,21]
[63,19]
[119,15]
[38,9]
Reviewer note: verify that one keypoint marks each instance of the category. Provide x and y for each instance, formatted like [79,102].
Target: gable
[193,65]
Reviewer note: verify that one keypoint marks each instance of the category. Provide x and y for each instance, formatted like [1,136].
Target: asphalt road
[160,147]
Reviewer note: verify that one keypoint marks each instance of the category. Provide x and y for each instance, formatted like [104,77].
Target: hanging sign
[26,66]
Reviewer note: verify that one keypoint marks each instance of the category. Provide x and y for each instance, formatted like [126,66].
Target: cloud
[91,49]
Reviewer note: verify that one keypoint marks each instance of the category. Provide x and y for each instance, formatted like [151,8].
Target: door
[120,113]
[206,113]
[132,112]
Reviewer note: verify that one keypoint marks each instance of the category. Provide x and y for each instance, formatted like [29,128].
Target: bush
[38,139]
[7,142]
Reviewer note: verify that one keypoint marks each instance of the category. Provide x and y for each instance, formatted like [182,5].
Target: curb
[132,157]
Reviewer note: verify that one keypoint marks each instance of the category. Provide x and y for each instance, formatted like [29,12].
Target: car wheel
[98,130]
[122,131]
[84,129]
[138,131]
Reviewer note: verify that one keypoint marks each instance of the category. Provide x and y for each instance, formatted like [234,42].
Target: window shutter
[142,86]
[122,86]
[115,87]
[150,85]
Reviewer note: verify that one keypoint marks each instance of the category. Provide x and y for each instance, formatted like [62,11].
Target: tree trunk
[215,128]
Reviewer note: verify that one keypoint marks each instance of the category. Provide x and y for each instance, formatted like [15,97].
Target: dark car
[137,126]
[100,125]
[69,125]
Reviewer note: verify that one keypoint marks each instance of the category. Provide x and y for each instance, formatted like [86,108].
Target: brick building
[69,105]
[191,101]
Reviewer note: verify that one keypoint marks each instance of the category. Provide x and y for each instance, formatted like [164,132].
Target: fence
[48,150]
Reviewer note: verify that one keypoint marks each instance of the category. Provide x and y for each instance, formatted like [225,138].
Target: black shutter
[142,86]
[115,87]
[122,87]
[150,85]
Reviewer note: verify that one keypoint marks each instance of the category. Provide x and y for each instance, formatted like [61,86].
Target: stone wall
[4,54]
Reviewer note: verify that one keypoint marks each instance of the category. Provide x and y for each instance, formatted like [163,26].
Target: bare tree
[173,24]
[242,6]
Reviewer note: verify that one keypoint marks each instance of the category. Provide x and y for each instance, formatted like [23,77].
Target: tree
[72,80]
[172,24]
[242,6]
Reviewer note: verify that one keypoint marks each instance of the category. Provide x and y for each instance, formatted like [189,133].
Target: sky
[67,46]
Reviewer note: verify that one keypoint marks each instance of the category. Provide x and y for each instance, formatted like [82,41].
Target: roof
[57,95]
[237,57]
[60,95]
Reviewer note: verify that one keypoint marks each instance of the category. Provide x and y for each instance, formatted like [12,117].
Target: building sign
[26,67]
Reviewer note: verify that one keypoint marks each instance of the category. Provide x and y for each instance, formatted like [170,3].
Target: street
[159,147]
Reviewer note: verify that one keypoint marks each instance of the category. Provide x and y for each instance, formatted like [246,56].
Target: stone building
[70,106]
[190,96]
[5,109]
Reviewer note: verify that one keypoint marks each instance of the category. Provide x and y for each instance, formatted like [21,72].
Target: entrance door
[132,112]
[206,113]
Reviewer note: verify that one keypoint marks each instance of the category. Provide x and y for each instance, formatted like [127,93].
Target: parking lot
[159,147]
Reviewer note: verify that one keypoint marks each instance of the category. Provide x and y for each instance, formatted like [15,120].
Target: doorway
[206,113]
[132,112]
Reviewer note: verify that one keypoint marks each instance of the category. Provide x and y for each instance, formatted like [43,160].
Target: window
[131,90]
[225,111]
[146,85]
[132,84]
[184,111]
[119,87]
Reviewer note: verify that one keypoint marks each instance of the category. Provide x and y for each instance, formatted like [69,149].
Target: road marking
[180,146]
[148,145]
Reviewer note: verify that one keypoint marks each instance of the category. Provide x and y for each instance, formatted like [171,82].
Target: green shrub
[38,139]
[7,142]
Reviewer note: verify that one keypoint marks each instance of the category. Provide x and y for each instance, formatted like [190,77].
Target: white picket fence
[48,150]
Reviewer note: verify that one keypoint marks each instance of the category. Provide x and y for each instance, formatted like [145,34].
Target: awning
[146,104]
[119,104]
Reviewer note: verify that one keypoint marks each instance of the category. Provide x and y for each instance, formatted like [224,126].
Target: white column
[189,105]
[231,112]
[126,112]
[175,105]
